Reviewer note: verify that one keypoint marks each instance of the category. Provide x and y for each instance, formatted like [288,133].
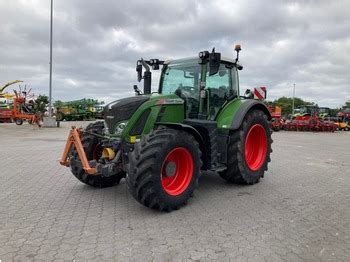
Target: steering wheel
[186,92]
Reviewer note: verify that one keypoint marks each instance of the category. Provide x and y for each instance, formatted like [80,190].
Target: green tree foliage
[57,103]
[82,103]
[287,104]
[334,111]
[347,104]
[40,104]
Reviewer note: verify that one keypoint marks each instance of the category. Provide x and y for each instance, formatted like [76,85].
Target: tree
[40,104]
[57,103]
[347,104]
[334,111]
[287,104]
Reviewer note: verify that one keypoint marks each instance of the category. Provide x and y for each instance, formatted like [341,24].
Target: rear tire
[91,146]
[164,168]
[249,150]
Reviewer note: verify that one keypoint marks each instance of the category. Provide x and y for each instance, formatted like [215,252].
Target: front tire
[164,168]
[93,150]
[249,150]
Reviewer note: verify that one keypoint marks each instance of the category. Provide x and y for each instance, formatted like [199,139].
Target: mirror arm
[145,65]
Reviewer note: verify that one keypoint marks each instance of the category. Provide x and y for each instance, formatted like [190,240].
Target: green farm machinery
[161,142]
[83,109]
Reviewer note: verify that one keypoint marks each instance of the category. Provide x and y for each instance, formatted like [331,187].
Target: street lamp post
[49,121]
[50,84]
[293,99]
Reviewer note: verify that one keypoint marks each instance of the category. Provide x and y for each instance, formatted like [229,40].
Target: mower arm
[74,139]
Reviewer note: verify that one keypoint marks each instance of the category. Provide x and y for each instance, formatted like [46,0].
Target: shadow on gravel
[210,186]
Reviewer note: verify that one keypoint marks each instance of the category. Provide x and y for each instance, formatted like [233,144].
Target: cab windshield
[182,79]
[181,76]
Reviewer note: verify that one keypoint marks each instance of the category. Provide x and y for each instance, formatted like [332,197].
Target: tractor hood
[122,109]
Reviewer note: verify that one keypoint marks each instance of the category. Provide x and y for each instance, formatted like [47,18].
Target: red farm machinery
[311,118]
[23,108]
[277,121]
[18,106]
[6,102]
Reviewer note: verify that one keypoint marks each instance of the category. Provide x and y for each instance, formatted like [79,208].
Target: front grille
[122,109]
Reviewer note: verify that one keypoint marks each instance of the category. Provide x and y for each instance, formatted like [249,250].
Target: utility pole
[293,99]
[50,84]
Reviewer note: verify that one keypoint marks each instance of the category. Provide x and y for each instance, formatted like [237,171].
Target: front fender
[167,108]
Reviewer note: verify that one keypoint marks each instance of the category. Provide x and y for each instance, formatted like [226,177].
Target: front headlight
[120,127]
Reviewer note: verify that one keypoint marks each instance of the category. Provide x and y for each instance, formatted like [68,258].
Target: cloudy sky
[97,42]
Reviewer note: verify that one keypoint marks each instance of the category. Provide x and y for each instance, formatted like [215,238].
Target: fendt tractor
[161,142]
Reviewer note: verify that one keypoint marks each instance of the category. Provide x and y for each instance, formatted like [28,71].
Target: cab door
[220,87]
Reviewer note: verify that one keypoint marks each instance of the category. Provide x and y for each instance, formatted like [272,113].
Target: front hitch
[74,139]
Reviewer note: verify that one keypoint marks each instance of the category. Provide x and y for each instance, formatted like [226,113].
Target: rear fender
[232,115]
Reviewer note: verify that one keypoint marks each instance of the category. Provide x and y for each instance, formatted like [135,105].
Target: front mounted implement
[74,139]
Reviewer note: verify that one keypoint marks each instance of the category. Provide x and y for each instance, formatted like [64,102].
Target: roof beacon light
[237,49]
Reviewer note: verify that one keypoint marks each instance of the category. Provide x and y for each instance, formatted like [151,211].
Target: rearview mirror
[214,62]
[249,94]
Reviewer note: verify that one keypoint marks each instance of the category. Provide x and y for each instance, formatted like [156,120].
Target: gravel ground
[299,212]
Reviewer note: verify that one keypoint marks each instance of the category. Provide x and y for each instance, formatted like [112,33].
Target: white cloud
[97,43]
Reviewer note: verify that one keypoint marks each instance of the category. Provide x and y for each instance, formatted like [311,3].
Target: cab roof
[194,60]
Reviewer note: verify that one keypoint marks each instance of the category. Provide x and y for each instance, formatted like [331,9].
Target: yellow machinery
[341,122]
[7,98]
[2,88]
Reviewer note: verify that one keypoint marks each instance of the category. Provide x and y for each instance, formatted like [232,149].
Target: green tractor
[161,142]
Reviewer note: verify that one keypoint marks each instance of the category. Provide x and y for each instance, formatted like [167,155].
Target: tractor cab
[205,83]
[309,110]
[204,94]
[324,112]
[314,111]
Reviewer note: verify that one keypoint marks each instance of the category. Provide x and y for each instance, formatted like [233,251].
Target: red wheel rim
[256,147]
[177,171]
